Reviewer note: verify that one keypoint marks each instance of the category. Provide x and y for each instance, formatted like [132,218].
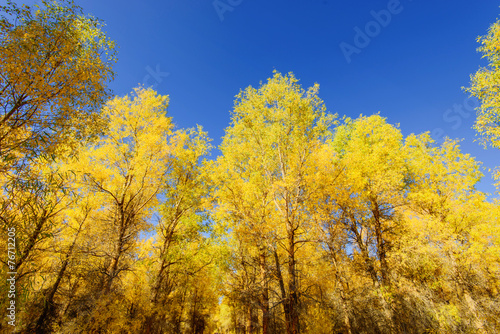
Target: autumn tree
[55,64]
[265,154]
[33,208]
[68,248]
[358,190]
[485,86]
[178,249]
[371,188]
[451,243]
[126,167]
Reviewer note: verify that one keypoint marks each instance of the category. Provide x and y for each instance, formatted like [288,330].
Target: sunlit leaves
[55,64]
[485,85]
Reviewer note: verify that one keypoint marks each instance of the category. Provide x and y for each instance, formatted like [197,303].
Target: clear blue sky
[412,69]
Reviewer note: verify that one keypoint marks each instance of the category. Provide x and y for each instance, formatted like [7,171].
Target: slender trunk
[381,248]
[249,324]
[44,320]
[115,261]
[381,244]
[293,299]
[148,322]
[193,317]
[342,287]
[284,296]
[113,273]
[345,310]
[178,320]
[265,293]
[384,269]
[364,251]
[33,238]
[70,298]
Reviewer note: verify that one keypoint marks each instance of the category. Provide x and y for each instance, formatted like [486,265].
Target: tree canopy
[115,220]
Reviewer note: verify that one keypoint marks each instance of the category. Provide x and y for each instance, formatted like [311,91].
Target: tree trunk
[249,324]
[293,300]
[284,297]
[44,321]
[343,286]
[265,292]
[121,242]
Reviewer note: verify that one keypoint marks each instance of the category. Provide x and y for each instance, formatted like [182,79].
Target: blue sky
[410,68]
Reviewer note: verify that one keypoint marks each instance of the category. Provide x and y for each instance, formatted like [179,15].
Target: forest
[114,220]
